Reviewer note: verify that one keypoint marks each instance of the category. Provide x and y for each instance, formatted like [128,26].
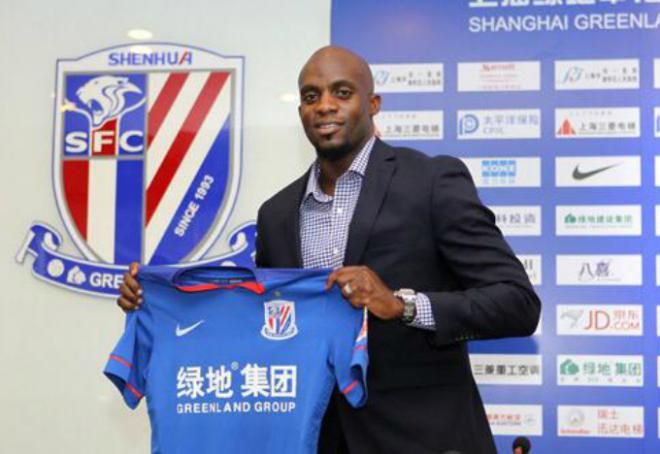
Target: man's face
[336,104]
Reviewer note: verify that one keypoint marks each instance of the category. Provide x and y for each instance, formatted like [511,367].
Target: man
[410,241]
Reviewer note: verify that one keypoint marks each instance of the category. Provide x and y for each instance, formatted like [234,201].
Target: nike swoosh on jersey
[183,331]
[583,175]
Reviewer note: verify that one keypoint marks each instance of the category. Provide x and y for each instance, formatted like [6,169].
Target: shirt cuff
[424,314]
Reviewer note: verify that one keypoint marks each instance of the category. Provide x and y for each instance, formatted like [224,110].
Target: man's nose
[327,103]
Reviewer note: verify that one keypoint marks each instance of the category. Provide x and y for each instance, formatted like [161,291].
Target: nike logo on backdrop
[577,175]
[183,331]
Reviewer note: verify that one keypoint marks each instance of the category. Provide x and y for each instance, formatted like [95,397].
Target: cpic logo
[499,124]
[468,124]
[599,320]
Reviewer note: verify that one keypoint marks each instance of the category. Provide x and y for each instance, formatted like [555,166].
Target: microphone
[521,445]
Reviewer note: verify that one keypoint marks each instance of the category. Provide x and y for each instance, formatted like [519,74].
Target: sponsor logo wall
[557,118]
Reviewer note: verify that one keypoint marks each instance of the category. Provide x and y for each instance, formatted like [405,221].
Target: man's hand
[363,288]
[131,292]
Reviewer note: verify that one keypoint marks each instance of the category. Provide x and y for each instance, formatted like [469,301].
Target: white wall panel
[54,343]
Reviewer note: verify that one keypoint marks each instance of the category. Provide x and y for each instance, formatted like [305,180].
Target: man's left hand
[363,288]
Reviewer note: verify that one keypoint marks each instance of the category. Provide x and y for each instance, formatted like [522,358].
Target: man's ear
[374,105]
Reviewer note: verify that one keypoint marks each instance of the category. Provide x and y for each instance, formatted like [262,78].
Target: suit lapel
[374,187]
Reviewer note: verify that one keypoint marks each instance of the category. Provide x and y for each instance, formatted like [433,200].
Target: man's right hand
[131,292]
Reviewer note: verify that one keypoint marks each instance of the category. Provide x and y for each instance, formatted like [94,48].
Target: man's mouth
[328,127]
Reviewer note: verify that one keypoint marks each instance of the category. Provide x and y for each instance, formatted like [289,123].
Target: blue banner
[554,106]
[98,279]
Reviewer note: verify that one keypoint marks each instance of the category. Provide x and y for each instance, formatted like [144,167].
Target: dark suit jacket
[418,224]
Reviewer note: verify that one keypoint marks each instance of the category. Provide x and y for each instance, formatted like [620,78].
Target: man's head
[337,102]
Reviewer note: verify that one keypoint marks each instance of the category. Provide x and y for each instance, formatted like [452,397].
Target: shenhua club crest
[146,163]
[279,320]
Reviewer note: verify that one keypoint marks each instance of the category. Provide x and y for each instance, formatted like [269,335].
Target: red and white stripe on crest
[90,190]
[186,112]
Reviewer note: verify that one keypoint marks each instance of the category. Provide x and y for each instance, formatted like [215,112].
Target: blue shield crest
[147,151]
[279,320]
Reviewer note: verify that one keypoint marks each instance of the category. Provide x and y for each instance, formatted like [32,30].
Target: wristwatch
[409,298]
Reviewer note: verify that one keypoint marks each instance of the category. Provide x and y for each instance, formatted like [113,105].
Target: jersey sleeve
[349,356]
[127,365]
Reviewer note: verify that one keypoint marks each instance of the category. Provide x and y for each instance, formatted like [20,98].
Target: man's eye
[309,98]
[344,93]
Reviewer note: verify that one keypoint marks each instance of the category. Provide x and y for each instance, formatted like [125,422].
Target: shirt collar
[358,166]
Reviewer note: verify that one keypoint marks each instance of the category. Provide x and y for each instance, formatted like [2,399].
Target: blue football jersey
[234,360]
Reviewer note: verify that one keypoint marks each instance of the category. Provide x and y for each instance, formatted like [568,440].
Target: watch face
[408,311]
[408,297]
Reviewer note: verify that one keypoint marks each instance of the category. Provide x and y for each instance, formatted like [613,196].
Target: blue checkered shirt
[324,222]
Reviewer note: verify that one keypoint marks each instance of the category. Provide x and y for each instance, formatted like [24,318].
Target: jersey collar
[207,278]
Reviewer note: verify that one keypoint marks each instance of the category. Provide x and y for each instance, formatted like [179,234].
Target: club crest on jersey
[279,320]
[146,159]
